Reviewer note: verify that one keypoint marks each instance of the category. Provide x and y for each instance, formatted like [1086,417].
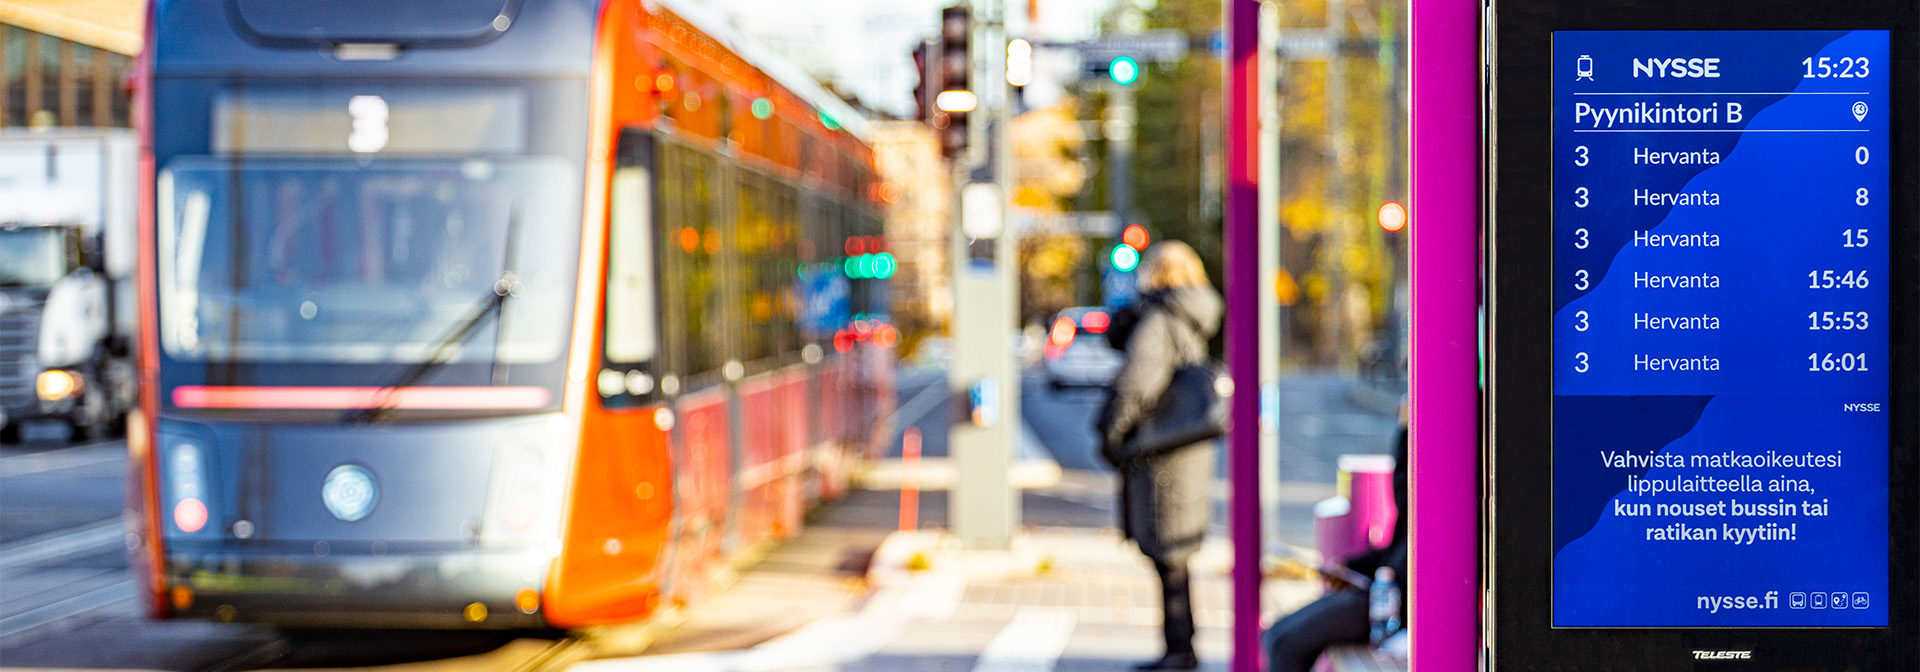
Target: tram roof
[716,26]
[220,38]
[201,38]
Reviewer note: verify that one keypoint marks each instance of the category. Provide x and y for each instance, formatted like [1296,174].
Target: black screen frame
[1518,427]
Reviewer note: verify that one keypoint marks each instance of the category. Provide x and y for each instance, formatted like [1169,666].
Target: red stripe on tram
[340,398]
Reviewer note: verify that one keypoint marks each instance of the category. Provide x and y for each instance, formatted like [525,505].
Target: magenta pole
[1444,258]
[1244,289]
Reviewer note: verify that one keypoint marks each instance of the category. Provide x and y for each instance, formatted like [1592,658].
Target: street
[66,599]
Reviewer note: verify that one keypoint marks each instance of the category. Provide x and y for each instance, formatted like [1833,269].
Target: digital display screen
[1720,293]
[370,120]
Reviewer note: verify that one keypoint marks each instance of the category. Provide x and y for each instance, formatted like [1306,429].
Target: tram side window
[695,232]
[752,226]
[632,327]
[784,269]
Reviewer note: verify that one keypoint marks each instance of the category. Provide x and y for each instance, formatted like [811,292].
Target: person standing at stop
[1166,501]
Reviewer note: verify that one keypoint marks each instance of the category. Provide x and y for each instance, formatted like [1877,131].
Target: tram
[488,313]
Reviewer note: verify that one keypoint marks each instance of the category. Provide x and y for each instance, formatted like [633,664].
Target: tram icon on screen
[1583,68]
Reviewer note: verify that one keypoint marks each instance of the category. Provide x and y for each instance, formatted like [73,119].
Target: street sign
[828,304]
[1305,43]
[1116,287]
[981,214]
[1087,223]
[1163,45]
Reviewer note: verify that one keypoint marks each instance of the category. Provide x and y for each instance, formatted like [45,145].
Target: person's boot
[1172,661]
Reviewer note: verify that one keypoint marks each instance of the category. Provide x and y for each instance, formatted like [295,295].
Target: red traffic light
[1393,217]
[1135,236]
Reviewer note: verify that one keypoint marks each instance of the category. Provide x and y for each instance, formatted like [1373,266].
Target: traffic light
[955,70]
[1019,63]
[1124,258]
[1135,236]
[877,266]
[1123,70]
[1392,217]
[927,85]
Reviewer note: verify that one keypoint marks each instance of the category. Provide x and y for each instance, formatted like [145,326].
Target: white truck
[68,316]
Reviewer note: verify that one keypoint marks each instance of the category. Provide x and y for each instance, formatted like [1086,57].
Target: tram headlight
[520,488]
[349,492]
[525,487]
[187,480]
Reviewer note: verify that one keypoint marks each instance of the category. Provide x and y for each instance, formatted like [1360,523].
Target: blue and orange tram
[487,313]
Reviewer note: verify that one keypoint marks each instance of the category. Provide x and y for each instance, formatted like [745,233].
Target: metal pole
[1270,234]
[1118,128]
[985,508]
[1444,191]
[1339,209]
[1243,287]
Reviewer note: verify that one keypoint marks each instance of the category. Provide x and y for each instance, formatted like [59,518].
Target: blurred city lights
[956,101]
[1124,70]
[1019,62]
[1125,258]
[1096,321]
[1063,331]
[1393,217]
[876,266]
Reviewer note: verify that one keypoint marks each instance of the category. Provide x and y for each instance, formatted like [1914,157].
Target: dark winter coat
[1166,501]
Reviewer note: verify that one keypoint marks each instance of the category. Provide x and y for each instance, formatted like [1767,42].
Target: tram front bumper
[483,589]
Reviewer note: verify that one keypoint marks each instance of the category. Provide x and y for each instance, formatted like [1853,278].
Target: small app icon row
[1833,600]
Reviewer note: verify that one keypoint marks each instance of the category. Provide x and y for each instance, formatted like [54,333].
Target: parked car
[1077,353]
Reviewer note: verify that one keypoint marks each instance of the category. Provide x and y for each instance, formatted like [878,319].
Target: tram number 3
[369,132]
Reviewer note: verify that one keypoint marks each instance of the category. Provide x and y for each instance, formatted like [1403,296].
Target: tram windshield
[358,260]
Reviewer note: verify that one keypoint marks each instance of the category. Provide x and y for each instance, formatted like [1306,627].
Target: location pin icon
[1860,111]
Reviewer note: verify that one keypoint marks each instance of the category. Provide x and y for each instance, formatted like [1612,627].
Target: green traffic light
[1125,258]
[1124,70]
[884,265]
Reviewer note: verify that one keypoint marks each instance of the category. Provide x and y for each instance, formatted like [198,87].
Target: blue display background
[1785,194]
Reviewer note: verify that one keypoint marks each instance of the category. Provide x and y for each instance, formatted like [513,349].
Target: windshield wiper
[491,305]
[443,348]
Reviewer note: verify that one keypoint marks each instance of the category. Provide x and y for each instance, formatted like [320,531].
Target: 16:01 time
[1846,67]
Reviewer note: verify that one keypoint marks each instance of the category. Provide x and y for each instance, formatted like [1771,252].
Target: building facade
[64,62]
[920,186]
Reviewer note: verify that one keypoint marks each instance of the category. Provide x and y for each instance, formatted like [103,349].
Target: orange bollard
[909,480]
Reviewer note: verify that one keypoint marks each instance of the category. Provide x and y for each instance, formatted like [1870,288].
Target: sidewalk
[852,594]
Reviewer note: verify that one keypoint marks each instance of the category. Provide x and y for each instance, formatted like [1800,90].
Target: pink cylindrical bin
[1334,533]
[1369,481]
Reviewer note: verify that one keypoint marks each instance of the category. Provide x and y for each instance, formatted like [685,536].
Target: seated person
[1340,616]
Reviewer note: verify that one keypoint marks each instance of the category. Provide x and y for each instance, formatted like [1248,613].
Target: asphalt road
[67,601]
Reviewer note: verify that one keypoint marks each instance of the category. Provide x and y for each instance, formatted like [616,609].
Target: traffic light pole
[1118,126]
[1268,98]
[986,508]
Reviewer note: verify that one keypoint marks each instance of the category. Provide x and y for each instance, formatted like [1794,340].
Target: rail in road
[70,571]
